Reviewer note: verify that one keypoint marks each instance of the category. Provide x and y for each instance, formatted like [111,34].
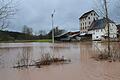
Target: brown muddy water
[82,66]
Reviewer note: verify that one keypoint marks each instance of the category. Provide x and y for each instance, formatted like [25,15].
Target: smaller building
[68,36]
[99,29]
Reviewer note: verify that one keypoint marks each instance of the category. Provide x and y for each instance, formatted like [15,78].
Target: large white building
[99,29]
[86,20]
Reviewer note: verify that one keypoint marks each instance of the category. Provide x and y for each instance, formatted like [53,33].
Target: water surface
[82,67]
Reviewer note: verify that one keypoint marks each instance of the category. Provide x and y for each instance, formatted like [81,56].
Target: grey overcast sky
[37,14]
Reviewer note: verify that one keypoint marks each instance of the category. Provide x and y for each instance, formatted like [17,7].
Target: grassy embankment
[27,41]
[42,40]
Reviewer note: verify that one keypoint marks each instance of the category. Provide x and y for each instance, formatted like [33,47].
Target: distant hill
[9,35]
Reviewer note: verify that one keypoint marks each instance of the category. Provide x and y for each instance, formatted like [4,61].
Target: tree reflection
[24,58]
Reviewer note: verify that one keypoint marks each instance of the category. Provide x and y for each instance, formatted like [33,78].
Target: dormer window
[91,14]
[88,17]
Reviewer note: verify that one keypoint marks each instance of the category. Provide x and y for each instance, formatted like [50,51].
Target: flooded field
[82,66]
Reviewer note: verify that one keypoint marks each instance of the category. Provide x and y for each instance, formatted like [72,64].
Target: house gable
[85,15]
[86,20]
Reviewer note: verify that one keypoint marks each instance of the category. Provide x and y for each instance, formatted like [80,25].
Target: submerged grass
[113,56]
[46,59]
[42,40]
[27,41]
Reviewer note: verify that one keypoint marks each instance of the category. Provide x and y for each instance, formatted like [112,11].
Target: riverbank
[27,41]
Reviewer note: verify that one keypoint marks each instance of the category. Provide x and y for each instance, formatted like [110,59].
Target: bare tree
[99,7]
[42,32]
[27,30]
[103,9]
[116,10]
[7,11]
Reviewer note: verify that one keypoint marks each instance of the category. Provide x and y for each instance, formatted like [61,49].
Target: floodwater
[82,66]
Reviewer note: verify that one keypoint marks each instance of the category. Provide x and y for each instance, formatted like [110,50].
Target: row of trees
[27,30]
[27,34]
[42,34]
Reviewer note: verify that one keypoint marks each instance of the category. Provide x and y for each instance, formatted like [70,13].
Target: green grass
[27,41]
[42,40]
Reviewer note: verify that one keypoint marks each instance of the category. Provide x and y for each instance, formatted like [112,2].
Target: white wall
[97,34]
[113,30]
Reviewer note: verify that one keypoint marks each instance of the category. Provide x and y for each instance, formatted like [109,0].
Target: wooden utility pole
[108,26]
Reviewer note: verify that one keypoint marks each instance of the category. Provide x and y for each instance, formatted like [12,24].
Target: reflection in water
[24,58]
[3,56]
[83,67]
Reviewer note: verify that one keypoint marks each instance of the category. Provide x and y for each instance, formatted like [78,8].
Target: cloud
[37,13]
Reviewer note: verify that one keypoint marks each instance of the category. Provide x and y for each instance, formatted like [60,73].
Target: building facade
[86,20]
[99,30]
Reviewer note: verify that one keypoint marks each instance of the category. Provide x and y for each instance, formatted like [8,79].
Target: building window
[89,22]
[88,17]
[97,30]
[91,14]
[94,14]
[96,36]
[101,30]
